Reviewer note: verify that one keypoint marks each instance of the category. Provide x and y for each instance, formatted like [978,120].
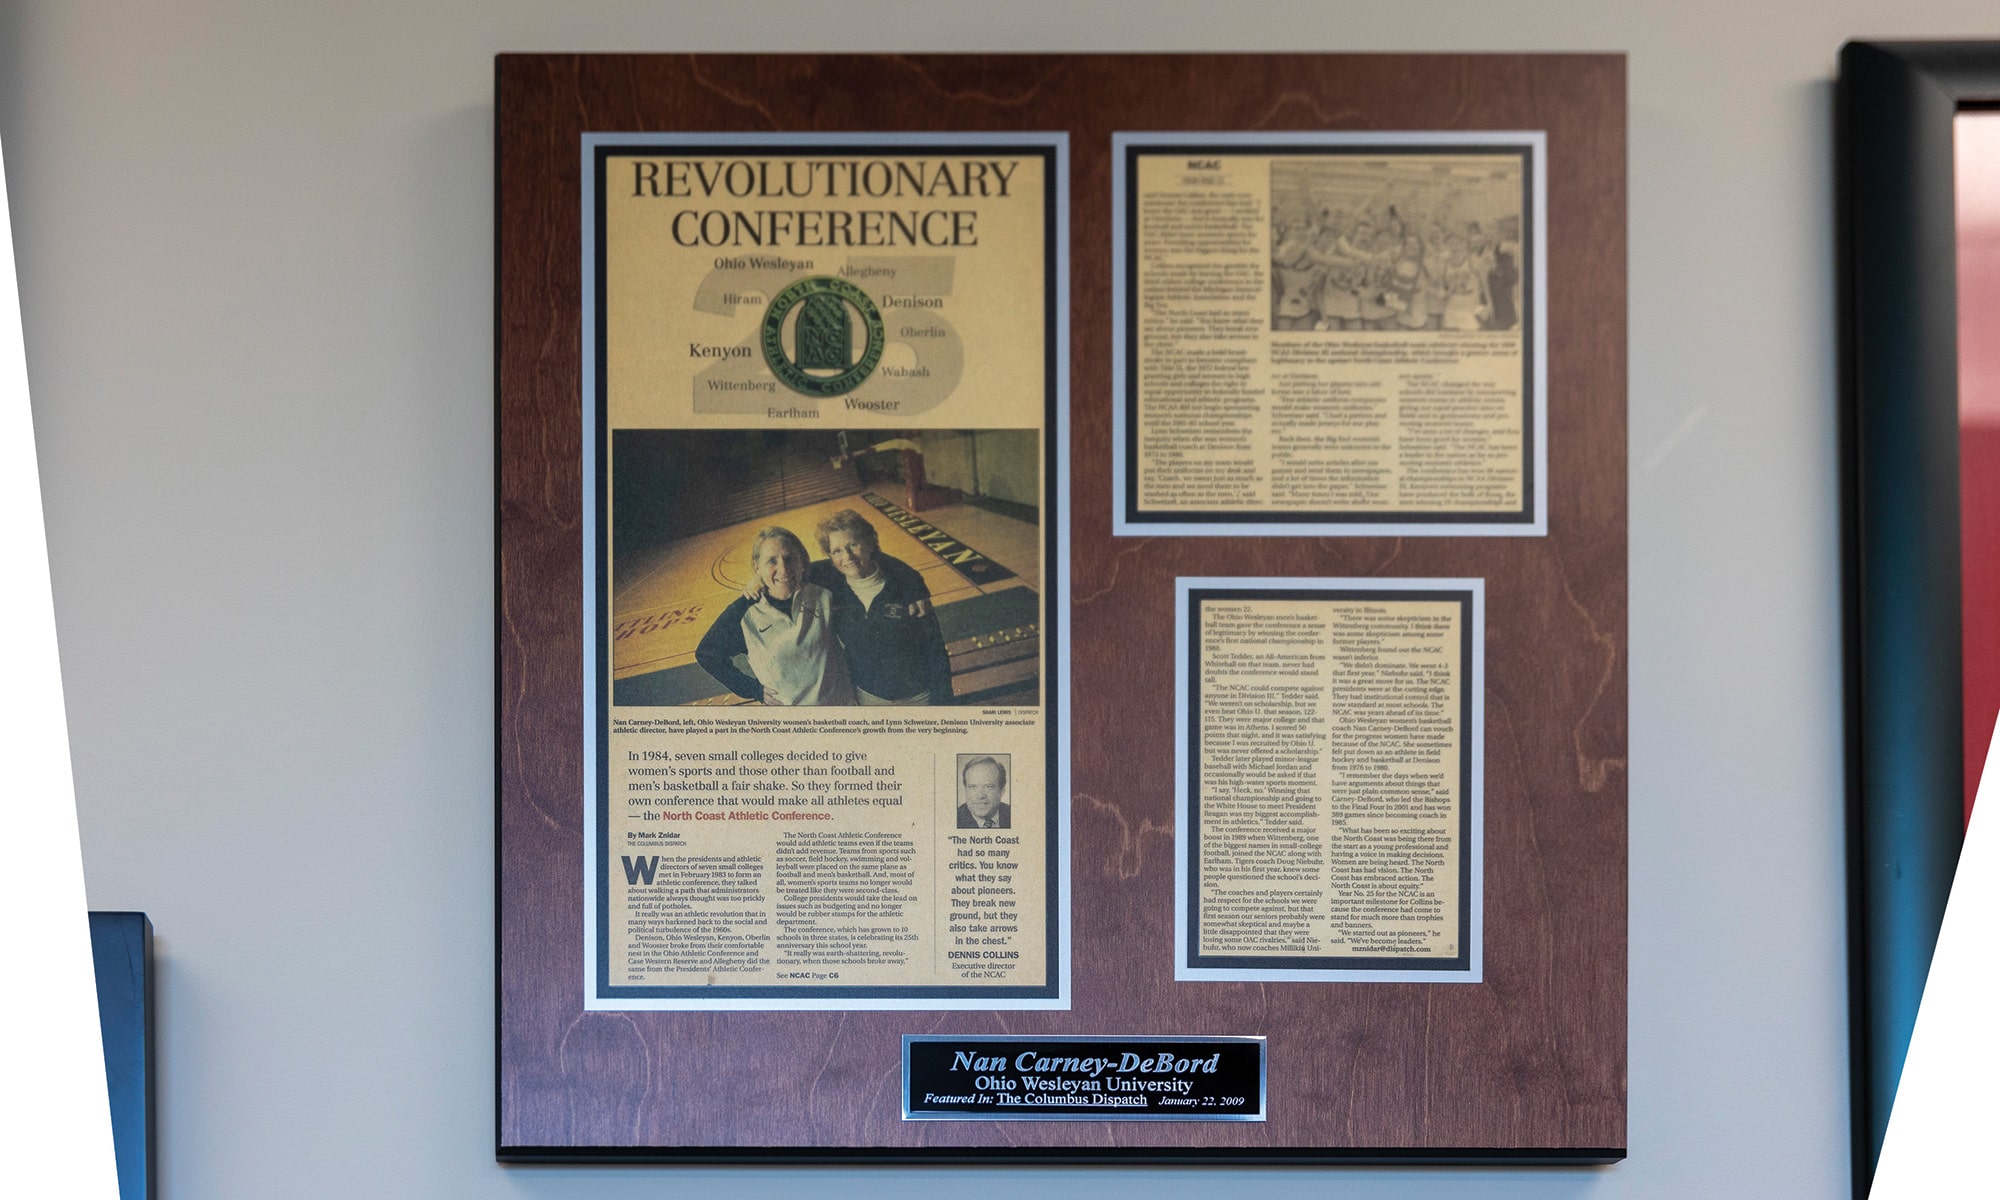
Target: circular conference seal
[822,361]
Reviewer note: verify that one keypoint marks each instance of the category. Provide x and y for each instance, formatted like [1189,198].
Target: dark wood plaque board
[1527,1066]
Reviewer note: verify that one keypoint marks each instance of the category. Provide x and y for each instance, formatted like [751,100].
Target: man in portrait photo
[982,790]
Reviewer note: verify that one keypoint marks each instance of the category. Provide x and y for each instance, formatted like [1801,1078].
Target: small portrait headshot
[982,792]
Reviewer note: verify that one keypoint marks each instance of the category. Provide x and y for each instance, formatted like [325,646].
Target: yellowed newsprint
[1330,781]
[824,655]
[1329,334]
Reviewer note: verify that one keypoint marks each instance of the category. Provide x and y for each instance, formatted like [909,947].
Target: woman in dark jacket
[883,616]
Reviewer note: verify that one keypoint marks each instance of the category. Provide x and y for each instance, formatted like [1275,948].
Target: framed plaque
[863,794]
[1920,205]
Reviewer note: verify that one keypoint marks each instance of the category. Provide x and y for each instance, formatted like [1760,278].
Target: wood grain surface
[1528,1065]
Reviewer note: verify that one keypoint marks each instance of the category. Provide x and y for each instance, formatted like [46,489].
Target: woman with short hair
[786,633]
[883,614]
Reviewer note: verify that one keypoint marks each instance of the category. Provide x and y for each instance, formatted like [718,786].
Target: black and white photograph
[982,792]
[1398,244]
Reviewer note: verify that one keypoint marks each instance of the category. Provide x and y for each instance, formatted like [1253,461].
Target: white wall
[255,252]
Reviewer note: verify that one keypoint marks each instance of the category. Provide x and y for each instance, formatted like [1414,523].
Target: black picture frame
[1900,465]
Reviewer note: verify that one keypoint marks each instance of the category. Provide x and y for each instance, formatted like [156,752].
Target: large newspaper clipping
[822,614]
[1329,334]
[1328,816]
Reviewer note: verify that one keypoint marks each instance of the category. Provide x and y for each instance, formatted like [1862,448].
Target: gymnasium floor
[667,598]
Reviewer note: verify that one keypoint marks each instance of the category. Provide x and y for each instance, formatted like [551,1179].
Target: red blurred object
[1977,137]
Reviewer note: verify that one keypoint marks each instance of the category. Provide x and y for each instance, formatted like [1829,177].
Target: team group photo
[1403,244]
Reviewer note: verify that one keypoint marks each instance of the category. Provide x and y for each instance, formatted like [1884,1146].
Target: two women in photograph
[856,627]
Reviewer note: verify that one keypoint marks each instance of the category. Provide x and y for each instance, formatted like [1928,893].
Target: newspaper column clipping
[1328,334]
[822,559]
[1330,791]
